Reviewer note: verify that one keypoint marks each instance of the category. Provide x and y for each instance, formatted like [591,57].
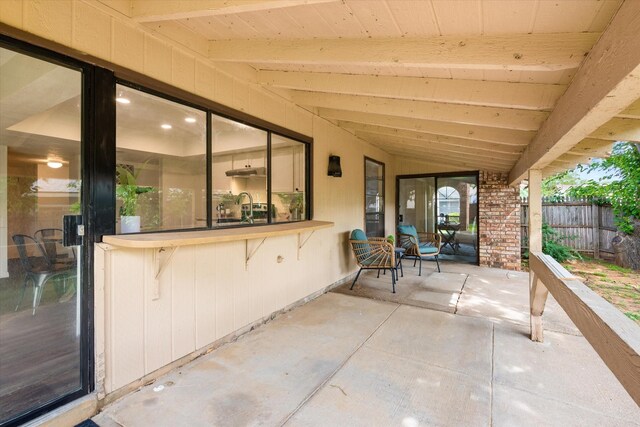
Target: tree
[624,192]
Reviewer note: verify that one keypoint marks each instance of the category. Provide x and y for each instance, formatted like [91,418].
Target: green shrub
[551,245]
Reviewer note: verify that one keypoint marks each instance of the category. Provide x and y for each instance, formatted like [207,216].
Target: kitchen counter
[185,238]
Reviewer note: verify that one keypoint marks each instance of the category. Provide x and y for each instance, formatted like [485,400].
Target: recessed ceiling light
[166,126]
[123,100]
[54,164]
[190,120]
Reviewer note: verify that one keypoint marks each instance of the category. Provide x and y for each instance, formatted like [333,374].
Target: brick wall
[499,222]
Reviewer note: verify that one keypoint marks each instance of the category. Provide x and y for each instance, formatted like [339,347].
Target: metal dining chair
[51,241]
[38,268]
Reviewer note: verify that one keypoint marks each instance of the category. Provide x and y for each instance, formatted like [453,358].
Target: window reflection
[239,173]
[161,163]
[288,179]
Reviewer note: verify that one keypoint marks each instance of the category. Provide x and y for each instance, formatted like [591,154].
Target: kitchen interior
[161,146]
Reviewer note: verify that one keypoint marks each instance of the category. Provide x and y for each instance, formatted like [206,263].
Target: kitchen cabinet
[253,159]
[282,176]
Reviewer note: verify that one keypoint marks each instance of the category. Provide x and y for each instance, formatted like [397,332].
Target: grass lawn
[620,286]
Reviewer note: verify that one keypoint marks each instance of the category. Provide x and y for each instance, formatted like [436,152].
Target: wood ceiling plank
[493,94]
[466,163]
[480,133]
[505,118]
[619,129]
[509,151]
[632,112]
[168,10]
[439,148]
[541,52]
[607,83]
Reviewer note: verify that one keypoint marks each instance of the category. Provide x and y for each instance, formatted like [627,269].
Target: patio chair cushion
[408,229]
[426,250]
[358,234]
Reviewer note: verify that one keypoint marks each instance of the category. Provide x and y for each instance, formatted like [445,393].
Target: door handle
[72,230]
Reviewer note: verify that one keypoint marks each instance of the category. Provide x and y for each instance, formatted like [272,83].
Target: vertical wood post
[537,291]
[595,219]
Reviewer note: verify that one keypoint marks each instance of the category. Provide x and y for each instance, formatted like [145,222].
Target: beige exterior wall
[205,291]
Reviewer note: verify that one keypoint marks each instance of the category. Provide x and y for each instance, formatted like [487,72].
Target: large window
[161,169]
[160,163]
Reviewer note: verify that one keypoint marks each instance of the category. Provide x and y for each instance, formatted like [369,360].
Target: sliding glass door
[444,204]
[40,274]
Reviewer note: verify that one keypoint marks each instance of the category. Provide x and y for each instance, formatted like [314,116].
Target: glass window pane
[239,173]
[288,179]
[374,197]
[161,169]
[40,182]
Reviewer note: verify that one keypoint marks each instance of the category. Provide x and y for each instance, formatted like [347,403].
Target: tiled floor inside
[449,348]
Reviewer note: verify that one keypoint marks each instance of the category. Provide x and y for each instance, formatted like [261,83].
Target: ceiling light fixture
[166,126]
[122,100]
[54,164]
[190,119]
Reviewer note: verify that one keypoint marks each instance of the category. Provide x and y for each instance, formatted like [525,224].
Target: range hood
[247,172]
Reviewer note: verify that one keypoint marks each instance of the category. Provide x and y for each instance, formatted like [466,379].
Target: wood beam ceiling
[476,133]
[529,96]
[619,129]
[435,140]
[464,114]
[607,83]
[168,10]
[525,52]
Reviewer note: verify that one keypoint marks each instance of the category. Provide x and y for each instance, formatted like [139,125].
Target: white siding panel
[157,313]
[127,326]
[183,313]
[205,295]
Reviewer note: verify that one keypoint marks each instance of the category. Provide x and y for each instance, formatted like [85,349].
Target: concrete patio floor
[348,360]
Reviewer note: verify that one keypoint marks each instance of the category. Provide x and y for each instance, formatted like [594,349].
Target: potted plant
[296,206]
[127,191]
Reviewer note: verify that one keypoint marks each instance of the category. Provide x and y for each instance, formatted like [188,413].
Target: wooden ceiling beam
[633,112]
[607,83]
[476,133]
[428,139]
[505,118]
[529,96]
[523,52]
[461,163]
[442,152]
[169,10]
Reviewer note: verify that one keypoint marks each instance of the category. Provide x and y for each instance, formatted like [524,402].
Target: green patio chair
[419,246]
[374,253]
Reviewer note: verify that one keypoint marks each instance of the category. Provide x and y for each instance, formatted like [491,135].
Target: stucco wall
[205,291]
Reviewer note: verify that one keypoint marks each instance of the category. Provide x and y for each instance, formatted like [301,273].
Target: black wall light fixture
[334,166]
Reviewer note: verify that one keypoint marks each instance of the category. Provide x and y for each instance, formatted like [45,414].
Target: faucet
[248,219]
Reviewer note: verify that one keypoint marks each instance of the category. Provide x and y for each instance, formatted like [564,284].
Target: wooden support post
[538,299]
[537,291]
[595,219]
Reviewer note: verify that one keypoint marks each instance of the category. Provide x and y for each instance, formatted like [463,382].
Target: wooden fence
[583,225]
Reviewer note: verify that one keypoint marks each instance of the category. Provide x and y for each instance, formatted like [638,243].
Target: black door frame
[93,156]
[476,174]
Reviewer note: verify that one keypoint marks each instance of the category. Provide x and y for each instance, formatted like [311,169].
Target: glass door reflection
[40,182]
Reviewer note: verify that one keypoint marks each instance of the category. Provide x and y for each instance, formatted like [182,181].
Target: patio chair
[38,269]
[374,253]
[419,246]
[50,240]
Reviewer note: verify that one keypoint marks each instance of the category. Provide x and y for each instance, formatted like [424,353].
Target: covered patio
[348,360]
[211,159]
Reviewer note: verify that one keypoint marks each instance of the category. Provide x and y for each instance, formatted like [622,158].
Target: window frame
[211,108]
[380,212]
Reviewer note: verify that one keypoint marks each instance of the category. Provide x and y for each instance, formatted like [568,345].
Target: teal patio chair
[374,253]
[419,246]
